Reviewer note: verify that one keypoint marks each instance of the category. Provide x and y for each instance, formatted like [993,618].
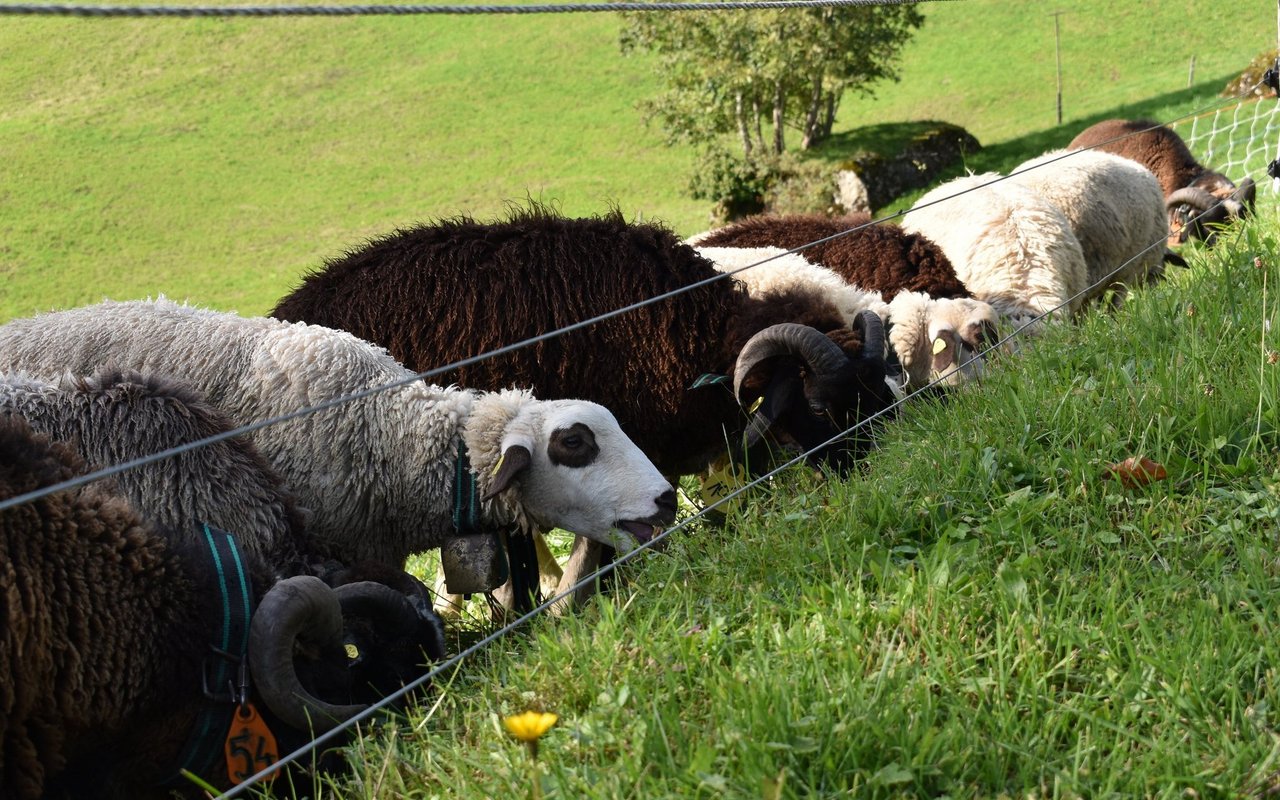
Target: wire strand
[29,9]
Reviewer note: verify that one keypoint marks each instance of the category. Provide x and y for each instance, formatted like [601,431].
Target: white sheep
[378,473]
[1012,248]
[1116,209]
[933,339]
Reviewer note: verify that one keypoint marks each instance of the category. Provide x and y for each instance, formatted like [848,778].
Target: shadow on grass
[889,138]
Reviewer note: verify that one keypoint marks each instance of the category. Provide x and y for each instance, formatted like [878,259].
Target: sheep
[1196,197]
[880,257]
[109,625]
[378,473]
[1012,248]
[438,293]
[1115,208]
[931,339]
[115,416]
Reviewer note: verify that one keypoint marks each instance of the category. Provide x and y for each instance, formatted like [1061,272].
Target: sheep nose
[666,503]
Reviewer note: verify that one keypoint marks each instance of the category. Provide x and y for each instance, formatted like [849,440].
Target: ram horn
[1247,195]
[810,345]
[298,607]
[375,601]
[1193,196]
[869,324]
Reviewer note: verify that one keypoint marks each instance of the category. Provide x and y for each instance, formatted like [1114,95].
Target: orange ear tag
[250,745]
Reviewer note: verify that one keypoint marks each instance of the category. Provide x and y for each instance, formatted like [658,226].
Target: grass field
[216,160]
[980,614]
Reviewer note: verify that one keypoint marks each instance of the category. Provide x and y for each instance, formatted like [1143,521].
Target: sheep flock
[304,459]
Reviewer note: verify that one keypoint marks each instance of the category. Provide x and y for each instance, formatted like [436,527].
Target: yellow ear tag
[353,652]
[250,745]
[755,405]
[939,345]
[720,480]
[498,466]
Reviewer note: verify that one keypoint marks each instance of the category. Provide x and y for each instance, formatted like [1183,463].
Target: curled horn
[1193,196]
[301,606]
[869,324]
[788,338]
[377,601]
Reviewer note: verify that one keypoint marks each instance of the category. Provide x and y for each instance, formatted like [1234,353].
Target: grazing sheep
[931,339]
[108,631]
[881,257]
[378,473]
[1012,248]
[1196,197]
[113,417]
[439,293]
[1115,208]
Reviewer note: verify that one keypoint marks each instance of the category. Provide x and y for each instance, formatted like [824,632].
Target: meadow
[981,613]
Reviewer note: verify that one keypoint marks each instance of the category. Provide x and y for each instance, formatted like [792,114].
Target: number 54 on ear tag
[250,745]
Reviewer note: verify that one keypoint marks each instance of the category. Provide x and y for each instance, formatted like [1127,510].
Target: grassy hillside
[217,159]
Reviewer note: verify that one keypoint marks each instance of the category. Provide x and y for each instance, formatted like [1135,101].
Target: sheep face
[574,468]
[940,339]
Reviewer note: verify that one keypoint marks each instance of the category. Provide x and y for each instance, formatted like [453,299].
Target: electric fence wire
[36,9]
[635,553]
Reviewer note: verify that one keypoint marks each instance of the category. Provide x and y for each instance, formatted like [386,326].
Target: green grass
[982,613]
[216,160]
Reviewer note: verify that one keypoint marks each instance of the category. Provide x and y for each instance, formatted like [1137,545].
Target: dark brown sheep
[879,257]
[1195,196]
[106,627]
[442,292]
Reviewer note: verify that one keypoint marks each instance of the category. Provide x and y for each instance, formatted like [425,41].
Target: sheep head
[810,388]
[1197,210]
[566,464]
[940,339]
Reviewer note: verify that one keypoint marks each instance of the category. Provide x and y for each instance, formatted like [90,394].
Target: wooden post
[1057,53]
[1191,73]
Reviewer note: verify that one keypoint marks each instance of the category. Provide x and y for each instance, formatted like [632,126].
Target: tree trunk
[811,130]
[740,113]
[779,106]
[755,107]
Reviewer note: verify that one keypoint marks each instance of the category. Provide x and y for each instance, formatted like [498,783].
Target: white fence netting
[1238,140]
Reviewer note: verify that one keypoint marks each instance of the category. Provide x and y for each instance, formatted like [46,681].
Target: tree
[738,71]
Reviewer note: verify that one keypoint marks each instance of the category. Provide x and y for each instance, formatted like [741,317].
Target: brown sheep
[438,293]
[1195,196]
[106,625]
[880,257]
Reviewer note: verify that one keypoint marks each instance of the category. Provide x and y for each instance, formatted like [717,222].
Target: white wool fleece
[1115,208]
[1012,248]
[793,271]
[378,473]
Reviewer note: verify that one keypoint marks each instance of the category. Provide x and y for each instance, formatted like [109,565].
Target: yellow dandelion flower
[529,726]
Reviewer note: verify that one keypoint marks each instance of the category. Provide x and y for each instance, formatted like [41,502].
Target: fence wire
[1238,141]
[28,9]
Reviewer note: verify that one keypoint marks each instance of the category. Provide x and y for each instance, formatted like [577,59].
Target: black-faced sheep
[113,417]
[108,630]
[881,257]
[1115,208]
[377,473]
[439,293]
[1011,247]
[1196,197]
[932,339]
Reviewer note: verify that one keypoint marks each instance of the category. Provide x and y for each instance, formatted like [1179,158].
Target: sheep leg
[583,560]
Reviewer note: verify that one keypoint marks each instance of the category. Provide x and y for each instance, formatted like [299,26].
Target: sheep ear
[944,351]
[515,459]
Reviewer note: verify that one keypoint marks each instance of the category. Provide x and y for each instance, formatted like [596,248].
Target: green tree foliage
[748,72]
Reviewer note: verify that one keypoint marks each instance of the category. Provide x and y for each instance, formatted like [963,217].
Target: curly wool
[115,416]
[377,474]
[1155,147]
[879,257]
[88,594]
[1115,208]
[1012,248]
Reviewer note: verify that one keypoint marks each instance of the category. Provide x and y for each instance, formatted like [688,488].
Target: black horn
[812,346]
[299,607]
[869,324]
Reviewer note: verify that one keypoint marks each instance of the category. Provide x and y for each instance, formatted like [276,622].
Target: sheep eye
[818,409]
[572,442]
[574,446]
